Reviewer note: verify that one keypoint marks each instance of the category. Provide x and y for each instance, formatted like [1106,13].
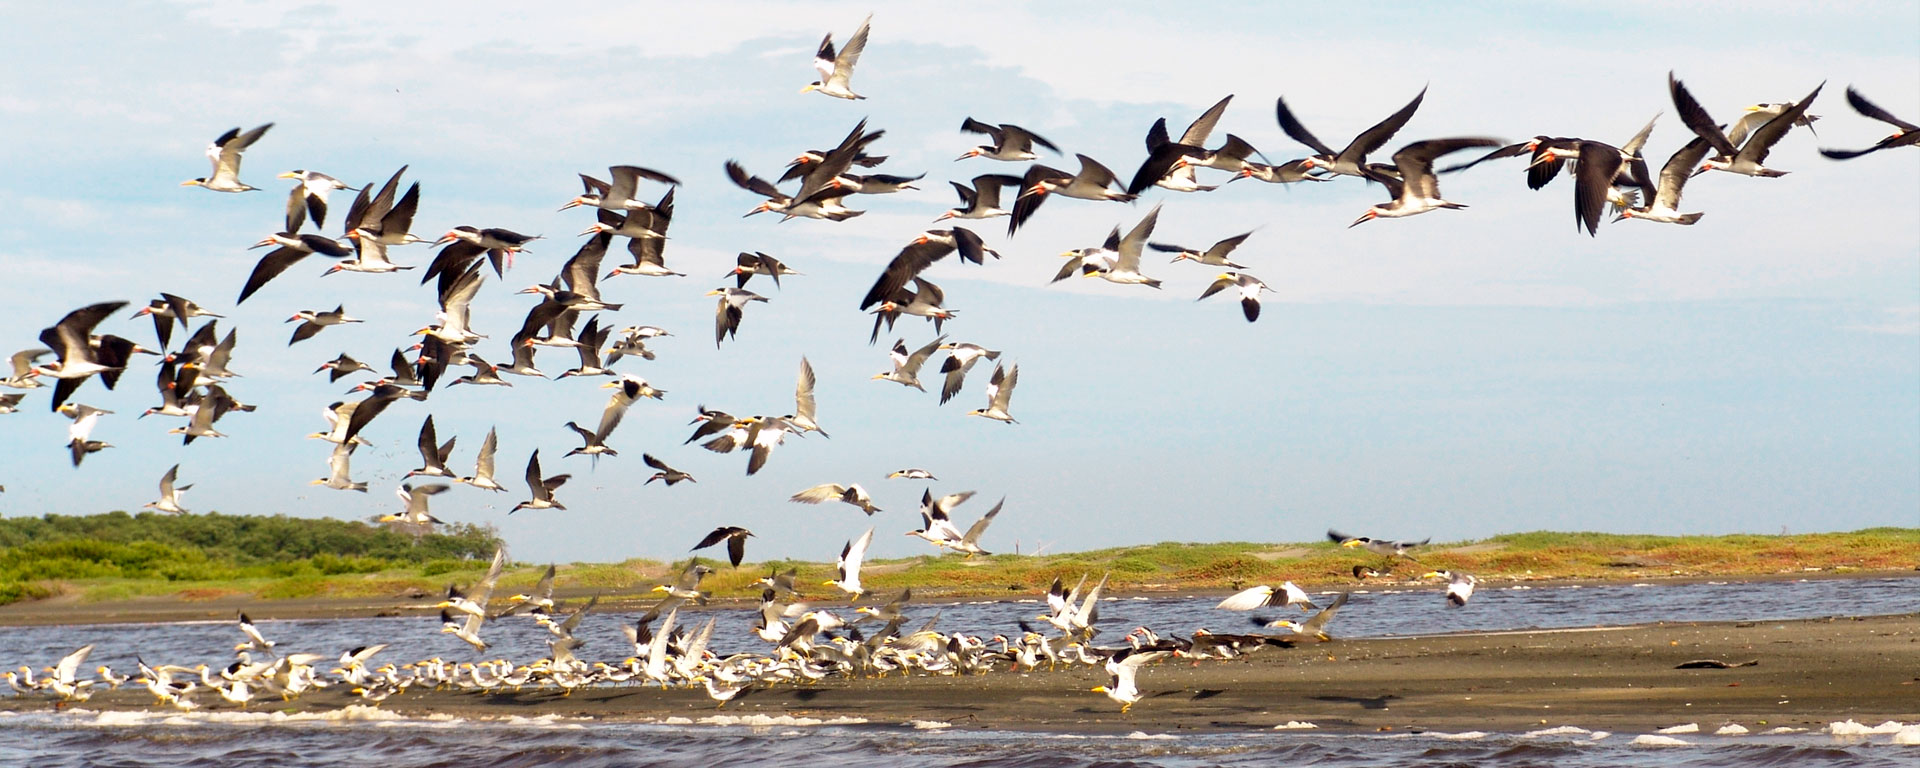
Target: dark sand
[1810,673]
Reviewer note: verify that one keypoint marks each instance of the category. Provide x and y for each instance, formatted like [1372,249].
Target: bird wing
[1593,178]
[905,266]
[754,184]
[850,53]
[1248,599]
[980,526]
[803,403]
[919,356]
[1002,387]
[1762,141]
[1696,118]
[715,537]
[1219,284]
[1376,137]
[819,494]
[1415,161]
[1319,621]
[1869,109]
[1202,126]
[1296,131]
[1136,239]
[855,553]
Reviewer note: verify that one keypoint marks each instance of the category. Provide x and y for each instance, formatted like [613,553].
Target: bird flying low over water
[1459,585]
[836,69]
[1386,547]
[1254,598]
[734,536]
[1314,627]
[1123,668]
[225,154]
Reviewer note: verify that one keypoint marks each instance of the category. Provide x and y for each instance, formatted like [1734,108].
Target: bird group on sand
[570,312]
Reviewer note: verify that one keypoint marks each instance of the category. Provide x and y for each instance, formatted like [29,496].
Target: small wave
[1851,728]
[1650,740]
[1732,729]
[1144,736]
[762,721]
[1564,730]
[929,725]
[1294,725]
[1686,728]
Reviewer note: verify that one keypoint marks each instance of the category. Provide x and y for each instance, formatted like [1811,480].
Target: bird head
[813,86]
[193,183]
[1370,215]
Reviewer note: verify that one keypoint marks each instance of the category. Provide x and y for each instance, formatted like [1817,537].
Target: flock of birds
[809,643]
[193,378]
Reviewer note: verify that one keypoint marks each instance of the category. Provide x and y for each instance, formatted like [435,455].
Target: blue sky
[1457,374]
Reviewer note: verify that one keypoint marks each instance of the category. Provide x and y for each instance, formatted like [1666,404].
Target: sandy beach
[1809,673]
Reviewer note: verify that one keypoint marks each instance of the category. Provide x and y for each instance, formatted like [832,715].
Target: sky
[1454,375]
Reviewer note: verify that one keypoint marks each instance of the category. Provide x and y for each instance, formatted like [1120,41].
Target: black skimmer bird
[342,367]
[225,154]
[734,536]
[1905,134]
[169,309]
[1214,256]
[917,256]
[981,199]
[1169,163]
[1248,286]
[311,322]
[80,440]
[540,488]
[1093,182]
[1284,173]
[746,265]
[498,244]
[665,473]
[999,395]
[1417,190]
[76,356]
[1011,143]
[292,248]
[1747,159]
[483,465]
[1351,161]
[433,453]
[618,196]
[836,69]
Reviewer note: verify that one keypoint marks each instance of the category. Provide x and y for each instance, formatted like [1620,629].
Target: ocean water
[366,736]
[1389,612]
[101,740]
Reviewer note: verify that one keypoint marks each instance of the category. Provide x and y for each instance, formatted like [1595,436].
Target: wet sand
[1810,673]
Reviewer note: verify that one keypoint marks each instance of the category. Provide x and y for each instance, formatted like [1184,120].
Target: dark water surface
[244,740]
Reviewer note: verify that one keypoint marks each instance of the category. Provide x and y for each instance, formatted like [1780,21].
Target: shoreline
[1621,679]
[62,611]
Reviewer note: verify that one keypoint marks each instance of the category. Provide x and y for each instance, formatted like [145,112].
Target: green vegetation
[120,557]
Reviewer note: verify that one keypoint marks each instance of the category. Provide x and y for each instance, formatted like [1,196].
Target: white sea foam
[1687,728]
[1144,736]
[1598,735]
[1907,735]
[1465,736]
[930,725]
[677,721]
[1294,725]
[1782,730]
[542,721]
[1649,740]
[1731,729]
[1564,730]
[772,720]
[1851,728]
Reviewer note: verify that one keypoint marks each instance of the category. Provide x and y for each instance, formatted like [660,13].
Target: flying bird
[836,69]
[225,154]
[735,537]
